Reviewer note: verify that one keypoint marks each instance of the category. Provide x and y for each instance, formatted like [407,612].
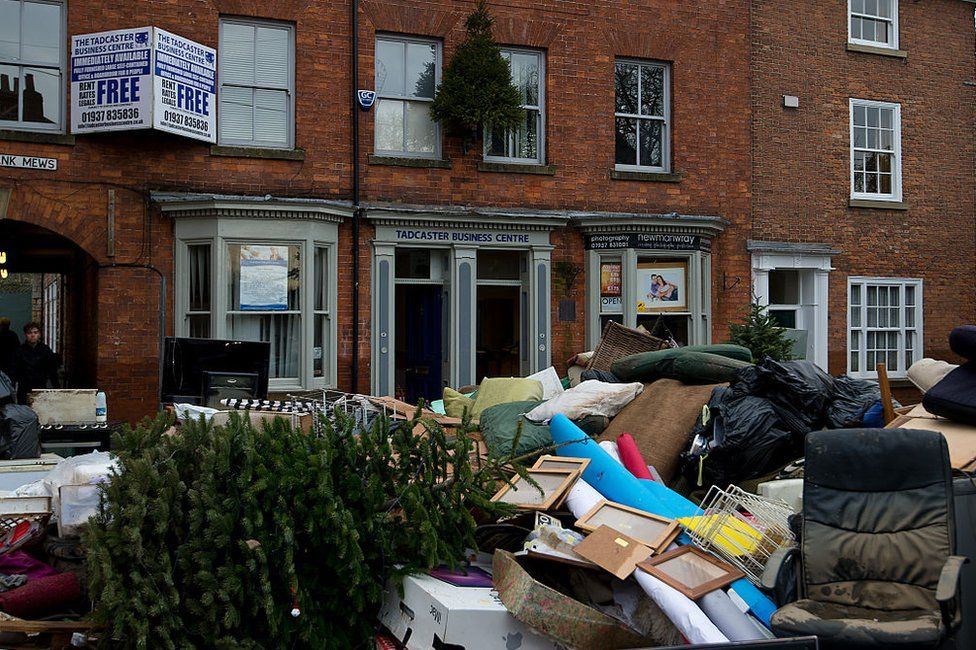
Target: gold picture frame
[653,531]
[520,493]
[691,571]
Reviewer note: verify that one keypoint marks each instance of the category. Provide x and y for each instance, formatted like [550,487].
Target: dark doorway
[47,278]
[419,342]
[499,341]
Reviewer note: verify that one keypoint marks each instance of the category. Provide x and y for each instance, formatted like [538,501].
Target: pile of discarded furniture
[696,495]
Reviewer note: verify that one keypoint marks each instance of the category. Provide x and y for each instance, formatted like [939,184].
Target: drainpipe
[357,211]
[162,313]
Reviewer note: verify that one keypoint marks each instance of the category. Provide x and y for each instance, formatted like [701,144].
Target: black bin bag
[852,399]
[19,432]
[799,390]
[7,390]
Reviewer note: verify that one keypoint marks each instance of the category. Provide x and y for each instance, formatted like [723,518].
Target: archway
[51,280]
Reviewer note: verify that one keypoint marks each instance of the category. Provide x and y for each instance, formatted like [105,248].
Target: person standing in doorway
[36,364]
[9,342]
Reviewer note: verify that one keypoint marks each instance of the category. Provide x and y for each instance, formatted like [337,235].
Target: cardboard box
[64,405]
[304,422]
[433,614]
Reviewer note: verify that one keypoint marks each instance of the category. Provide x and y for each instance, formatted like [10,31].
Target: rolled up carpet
[692,366]
[631,457]
[42,596]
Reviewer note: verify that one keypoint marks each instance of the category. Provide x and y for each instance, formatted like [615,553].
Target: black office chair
[875,564]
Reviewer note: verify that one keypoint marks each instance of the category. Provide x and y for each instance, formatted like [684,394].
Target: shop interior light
[3,257]
[3,274]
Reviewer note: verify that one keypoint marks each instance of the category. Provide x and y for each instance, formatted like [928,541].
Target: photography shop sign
[143,78]
[649,241]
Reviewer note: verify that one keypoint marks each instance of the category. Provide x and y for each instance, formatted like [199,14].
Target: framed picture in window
[662,286]
[651,530]
[691,571]
[552,485]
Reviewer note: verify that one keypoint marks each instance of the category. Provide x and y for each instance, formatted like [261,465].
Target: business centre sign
[143,78]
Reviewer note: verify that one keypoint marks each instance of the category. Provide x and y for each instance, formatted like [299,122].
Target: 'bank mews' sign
[143,78]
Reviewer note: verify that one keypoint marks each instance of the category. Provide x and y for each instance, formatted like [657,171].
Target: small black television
[185,361]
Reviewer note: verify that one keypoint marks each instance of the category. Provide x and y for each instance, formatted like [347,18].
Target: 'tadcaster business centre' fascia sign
[143,78]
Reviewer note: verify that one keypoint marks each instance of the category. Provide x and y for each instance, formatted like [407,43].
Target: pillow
[502,390]
[551,384]
[500,423]
[455,404]
[591,397]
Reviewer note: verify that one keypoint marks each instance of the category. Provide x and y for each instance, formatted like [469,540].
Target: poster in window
[662,286]
[264,278]
[610,288]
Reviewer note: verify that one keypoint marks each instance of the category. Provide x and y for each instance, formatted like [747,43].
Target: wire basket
[743,529]
[14,510]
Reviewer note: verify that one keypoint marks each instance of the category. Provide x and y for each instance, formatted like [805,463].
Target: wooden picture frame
[522,494]
[691,571]
[548,461]
[675,276]
[653,531]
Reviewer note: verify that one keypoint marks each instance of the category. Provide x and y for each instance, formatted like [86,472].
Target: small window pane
[321,287]
[390,68]
[855,316]
[271,116]
[525,76]
[41,39]
[198,326]
[784,287]
[784,317]
[420,69]
[857,6]
[389,125]
[625,77]
[413,264]
[237,54]
[271,63]
[421,131]
[909,294]
[10,30]
[199,277]
[860,116]
[856,294]
[626,140]
[236,113]
[651,154]
[499,265]
[42,95]
[652,90]
[527,137]
[320,351]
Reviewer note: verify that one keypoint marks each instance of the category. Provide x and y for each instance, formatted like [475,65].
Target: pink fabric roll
[42,596]
[631,457]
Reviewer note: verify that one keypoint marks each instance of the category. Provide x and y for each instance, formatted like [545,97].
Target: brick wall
[801,157]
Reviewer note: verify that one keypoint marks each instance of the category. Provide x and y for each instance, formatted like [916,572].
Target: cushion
[455,404]
[955,396]
[499,425]
[701,364]
[501,390]
[926,373]
[962,341]
[588,398]
[660,420]
[847,626]
[551,384]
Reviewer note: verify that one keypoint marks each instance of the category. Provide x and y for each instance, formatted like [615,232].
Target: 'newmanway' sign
[28,162]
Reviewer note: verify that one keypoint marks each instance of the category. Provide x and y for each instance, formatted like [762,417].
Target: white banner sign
[143,78]
[185,87]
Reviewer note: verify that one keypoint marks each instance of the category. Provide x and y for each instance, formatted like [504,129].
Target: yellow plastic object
[732,535]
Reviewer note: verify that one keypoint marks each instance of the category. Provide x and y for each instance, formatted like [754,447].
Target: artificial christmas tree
[760,332]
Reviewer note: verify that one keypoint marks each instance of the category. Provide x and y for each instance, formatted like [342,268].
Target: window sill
[257,152]
[39,137]
[647,177]
[878,205]
[403,161]
[516,168]
[881,51]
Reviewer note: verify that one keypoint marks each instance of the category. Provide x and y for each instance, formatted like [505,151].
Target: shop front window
[198,291]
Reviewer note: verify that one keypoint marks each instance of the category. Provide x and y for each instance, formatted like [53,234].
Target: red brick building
[642,187]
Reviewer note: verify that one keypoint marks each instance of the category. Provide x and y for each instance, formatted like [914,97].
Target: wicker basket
[618,342]
[14,510]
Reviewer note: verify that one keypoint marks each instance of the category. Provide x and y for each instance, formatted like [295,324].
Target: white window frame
[380,95]
[891,45]
[540,109]
[58,127]
[665,167]
[917,353]
[896,194]
[220,234]
[289,91]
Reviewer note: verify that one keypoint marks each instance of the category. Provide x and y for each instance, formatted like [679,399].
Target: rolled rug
[42,596]
[631,457]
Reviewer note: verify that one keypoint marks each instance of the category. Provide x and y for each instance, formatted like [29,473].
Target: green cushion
[502,390]
[649,366]
[455,404]
[683,364]
[500,423]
